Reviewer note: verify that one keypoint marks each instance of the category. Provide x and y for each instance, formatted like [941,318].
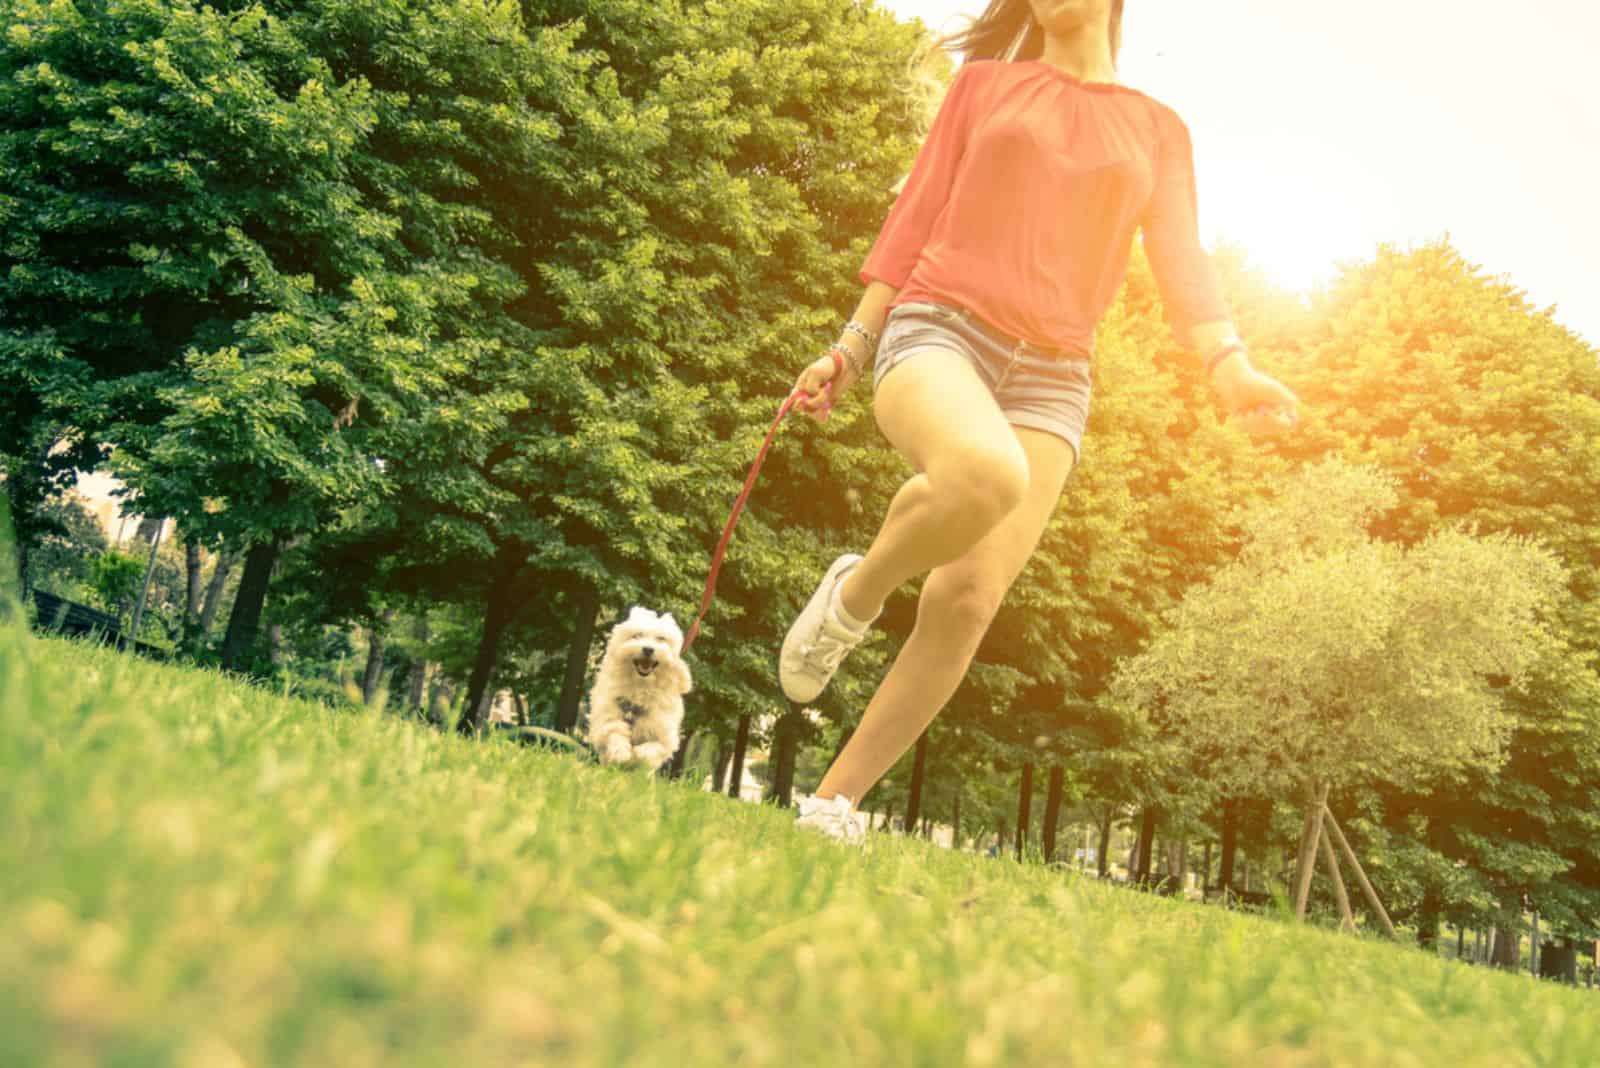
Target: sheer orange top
[1024,198]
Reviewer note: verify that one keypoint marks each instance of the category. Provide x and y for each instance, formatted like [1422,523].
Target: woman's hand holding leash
[825,380]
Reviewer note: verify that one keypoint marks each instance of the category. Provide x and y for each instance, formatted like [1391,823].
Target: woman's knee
[982,483]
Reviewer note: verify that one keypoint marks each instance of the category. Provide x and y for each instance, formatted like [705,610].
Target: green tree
[1485,410]
[70,540]
[689,236]
[236,248]
[1326,657]
[115,578]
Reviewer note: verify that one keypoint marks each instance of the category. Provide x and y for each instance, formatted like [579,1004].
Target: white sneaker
[835,817]
[819,639]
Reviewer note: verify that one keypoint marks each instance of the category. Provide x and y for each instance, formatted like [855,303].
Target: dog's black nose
[648,652]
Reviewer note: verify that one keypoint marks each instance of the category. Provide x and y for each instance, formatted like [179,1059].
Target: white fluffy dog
[636,706]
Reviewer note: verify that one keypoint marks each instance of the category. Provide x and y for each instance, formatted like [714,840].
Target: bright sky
[1323,129]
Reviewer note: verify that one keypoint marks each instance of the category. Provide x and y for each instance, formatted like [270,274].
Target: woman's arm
[1268,404]
[926,190]
[1191,292]
[921,197]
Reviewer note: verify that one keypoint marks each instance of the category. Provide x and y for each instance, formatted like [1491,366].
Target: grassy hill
[196,872]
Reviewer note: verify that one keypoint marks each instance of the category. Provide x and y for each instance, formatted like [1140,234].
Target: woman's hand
[825,381]
[1260,403]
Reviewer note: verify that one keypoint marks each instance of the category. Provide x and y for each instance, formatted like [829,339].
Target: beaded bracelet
[866,335]
[1228,348]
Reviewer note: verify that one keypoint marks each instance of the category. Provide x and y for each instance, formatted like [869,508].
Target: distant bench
[57,615]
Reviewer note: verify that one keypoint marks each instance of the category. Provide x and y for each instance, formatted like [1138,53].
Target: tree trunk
[1507,951]
[1230,845]
[275,653]
[1310,832]
[13,590]
[420,667]
[1559,961]
[245,619]
[1101,858]
[1428,918]
[955,820]
[444,695]
[919,762]
[719,777]
[421,674]
[1461,941]
[584,612]
[736,771]
[786,740]
[1024,808]
[213,599]
[497,616]
[192,588]
[1052,811]
[1533,946]
[377,639]
[12,538]
[149,572]
[1205,872]
[1147,839]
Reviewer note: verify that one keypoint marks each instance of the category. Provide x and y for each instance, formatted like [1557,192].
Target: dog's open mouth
[644,667]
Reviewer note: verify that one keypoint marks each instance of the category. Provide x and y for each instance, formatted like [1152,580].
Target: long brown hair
[995,33]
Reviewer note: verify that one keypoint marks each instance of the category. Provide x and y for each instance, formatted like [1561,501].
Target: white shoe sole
[798,685]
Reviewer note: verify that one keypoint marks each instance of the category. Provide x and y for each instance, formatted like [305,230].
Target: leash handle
[788,405]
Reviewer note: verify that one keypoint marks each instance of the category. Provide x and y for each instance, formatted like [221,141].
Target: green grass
[199,873]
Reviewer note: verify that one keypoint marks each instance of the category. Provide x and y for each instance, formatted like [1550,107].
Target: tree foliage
[1323,653]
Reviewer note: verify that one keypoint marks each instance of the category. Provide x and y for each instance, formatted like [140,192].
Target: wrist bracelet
[866,335]
[849,357]
[1228,348]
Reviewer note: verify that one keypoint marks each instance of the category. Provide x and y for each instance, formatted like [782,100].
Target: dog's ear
[680,672]
[612,636]
[675,632]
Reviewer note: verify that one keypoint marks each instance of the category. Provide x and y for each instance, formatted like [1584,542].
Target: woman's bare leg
[958,602]
[937,411]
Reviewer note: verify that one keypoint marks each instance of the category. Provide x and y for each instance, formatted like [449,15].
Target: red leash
[744,494]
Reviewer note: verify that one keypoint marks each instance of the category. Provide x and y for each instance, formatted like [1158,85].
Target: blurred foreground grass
[196,872]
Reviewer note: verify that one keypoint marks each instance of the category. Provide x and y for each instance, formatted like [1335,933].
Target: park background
[440,334]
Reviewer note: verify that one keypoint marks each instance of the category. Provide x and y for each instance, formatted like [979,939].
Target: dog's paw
[650,755]
[618,751]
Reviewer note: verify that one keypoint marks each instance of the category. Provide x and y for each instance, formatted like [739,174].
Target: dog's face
[645,647]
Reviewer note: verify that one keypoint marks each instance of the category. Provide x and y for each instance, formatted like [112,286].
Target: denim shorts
[1034,389]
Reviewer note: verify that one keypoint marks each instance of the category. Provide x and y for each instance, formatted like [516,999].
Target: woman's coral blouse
[1023,201]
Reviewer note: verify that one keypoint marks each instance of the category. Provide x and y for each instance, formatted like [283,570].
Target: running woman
[1006,245]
